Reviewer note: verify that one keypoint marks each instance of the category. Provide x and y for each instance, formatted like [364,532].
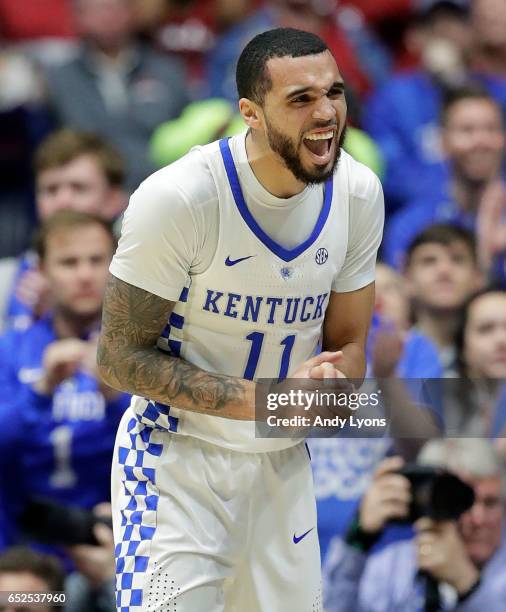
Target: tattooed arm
[128,359]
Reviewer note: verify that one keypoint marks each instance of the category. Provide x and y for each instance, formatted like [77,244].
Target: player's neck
[269,168]
[71,325]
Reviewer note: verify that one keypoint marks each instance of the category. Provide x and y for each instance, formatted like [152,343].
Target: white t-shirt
[262,316]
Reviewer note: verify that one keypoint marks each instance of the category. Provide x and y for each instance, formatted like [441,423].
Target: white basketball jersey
[257,311]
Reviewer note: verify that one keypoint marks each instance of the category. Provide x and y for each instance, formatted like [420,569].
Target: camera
[436,493]
[48,522]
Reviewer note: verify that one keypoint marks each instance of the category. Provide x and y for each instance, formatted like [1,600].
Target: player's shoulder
[363,183]
[188,179]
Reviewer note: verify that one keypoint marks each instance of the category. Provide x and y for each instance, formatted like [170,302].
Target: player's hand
[33,290]
[441,553]
[387,497]
[312,367]
[323,374]
[326,371]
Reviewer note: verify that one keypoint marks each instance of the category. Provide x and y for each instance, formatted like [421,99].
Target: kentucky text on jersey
[269,309]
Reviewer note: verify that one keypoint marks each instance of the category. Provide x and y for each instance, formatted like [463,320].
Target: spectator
[402,116]
[48,377]
[21,570]
[466,557]
[475,405]
[73,170]
[396,349]
[115,87]
[24,122]
[441,272]
[473,138]
[91,587]
[189,28]
[319,17]
[488,19]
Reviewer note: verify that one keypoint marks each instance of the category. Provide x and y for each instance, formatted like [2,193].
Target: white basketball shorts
[201,528]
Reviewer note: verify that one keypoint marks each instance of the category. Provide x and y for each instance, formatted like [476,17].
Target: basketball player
[254,249]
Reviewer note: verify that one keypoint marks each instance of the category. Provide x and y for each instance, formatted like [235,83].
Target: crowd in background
[97,94]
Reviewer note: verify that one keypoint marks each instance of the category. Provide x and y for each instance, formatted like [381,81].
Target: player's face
[485,337]
[305,113]
[482,526]
[76,267]
[473,139]
[79,185]
[441,276]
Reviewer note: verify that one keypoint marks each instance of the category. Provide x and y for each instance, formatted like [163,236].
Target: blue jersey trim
[176,320]
[138,516]
[184,294]
[277,249]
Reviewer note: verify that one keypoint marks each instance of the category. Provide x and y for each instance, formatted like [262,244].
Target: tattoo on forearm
[129,360]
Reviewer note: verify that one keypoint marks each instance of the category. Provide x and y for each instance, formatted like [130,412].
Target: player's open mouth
[319,145]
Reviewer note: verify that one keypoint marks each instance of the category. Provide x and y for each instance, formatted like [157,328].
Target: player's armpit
[128,359]
[346,326]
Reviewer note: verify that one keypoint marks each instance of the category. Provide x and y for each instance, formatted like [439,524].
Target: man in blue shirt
[473,139]
[58,421]
[403,115]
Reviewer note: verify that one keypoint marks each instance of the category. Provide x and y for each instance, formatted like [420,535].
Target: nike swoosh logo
[232,262]
[296,539]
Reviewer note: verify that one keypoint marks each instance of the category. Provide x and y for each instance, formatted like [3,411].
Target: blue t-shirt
[405,225]
[58,446]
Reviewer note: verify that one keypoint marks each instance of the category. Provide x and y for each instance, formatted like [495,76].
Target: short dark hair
[443,234]
[252,77]
[471,91]
[64,220]
[66,145]
[22,559]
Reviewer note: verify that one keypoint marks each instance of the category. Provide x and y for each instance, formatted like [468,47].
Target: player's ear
[250,112]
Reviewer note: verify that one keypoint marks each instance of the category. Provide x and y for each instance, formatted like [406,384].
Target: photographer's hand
[442,554]
[387,497]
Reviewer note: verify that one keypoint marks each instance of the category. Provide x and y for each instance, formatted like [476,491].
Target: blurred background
[97,94]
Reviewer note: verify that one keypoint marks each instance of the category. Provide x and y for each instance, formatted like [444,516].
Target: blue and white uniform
[251,275]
